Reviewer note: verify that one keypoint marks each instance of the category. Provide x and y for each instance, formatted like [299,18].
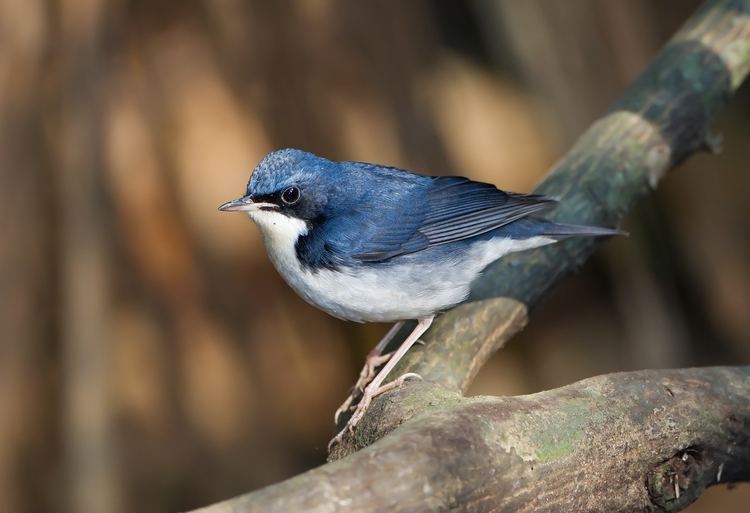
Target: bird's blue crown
[286,167]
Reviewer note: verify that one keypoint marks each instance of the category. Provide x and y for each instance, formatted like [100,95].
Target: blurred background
[151,359]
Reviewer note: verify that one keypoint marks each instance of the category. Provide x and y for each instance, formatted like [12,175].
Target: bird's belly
[381,294]
[415,287]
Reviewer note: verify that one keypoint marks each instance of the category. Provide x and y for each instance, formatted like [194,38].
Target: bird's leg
[375,388]
[375,359]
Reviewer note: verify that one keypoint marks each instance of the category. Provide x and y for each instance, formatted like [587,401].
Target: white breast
[379,294]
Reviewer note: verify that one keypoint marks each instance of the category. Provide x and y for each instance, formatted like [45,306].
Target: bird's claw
[344,407]
[364,403]
[366,375]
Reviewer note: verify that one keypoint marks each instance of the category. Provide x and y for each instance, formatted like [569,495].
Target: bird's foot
[368,395]
[366,375]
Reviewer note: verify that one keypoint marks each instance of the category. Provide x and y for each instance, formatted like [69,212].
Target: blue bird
[372,243]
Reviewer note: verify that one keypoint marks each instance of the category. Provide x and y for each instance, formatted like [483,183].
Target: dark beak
[245,204]
[238,205]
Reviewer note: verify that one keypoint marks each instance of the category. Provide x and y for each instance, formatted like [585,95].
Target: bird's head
[288,191]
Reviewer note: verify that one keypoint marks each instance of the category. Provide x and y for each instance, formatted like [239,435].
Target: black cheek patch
[308,208]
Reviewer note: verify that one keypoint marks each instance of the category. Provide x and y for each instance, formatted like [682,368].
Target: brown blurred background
[150,357]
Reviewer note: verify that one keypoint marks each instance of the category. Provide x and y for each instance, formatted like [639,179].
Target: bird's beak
[244,204]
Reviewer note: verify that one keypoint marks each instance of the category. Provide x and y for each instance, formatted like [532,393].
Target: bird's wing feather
[449,209]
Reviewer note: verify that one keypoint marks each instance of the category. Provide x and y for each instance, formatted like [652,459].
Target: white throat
[280,232]
[280,235]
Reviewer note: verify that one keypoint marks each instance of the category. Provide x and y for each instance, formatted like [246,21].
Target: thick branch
[662,119]
[640,441]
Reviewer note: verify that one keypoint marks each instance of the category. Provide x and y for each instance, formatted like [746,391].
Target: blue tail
[530,226]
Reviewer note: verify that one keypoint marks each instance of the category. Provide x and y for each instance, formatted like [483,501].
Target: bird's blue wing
[446,209]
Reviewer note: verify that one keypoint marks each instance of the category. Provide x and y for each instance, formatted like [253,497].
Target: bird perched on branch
[372,243]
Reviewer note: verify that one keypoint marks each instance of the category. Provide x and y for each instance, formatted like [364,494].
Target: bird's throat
[280,232]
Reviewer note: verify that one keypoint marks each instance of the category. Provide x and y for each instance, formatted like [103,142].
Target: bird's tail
[533,227]
[563,231]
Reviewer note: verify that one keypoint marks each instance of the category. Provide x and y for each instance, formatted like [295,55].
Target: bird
[373,243]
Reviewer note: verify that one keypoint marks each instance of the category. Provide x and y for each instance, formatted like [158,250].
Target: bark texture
[640,441]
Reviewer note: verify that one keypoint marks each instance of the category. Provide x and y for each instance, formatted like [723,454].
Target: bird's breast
[407,287]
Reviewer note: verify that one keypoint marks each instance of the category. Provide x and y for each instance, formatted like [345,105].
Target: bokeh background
[152,360]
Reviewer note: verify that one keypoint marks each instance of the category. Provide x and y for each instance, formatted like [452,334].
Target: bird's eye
[291,195]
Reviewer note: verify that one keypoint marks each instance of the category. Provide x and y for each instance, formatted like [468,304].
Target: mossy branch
[640,441]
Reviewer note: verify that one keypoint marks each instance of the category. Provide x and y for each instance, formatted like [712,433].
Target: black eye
[291,195]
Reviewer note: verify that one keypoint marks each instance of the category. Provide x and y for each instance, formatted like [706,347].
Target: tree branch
[662,119]
[640,441]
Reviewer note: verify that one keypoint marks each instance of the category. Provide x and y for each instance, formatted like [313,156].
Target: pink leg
[375,387]
[375,359]
[378,349]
